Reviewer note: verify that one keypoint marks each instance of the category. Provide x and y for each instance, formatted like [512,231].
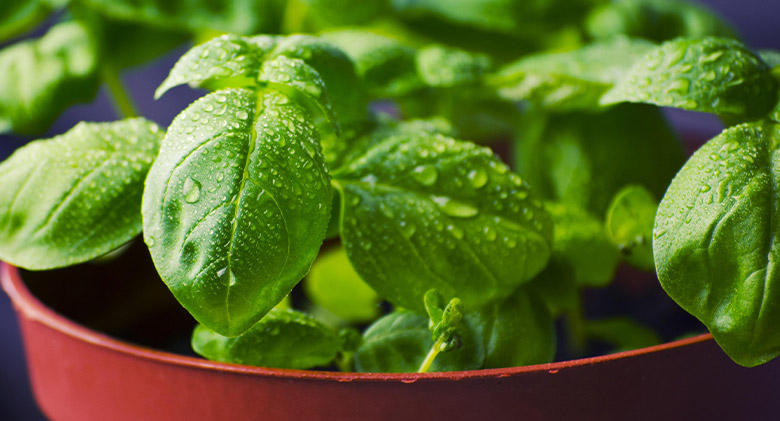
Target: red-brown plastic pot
[80,374]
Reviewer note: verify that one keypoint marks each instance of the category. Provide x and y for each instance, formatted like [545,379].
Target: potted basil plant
[295,144]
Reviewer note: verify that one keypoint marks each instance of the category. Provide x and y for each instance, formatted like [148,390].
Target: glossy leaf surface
[715,241]
[281,339]
[715,75]
[301,62]
[629,222]
[424,212]
[236,205]
[76,196]
[43,77]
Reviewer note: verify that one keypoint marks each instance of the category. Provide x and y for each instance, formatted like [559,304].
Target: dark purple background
[755,19]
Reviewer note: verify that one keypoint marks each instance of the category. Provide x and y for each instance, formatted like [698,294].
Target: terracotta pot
[80,374]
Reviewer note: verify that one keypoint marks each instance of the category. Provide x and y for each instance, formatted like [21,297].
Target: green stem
[124,104]
[435,349]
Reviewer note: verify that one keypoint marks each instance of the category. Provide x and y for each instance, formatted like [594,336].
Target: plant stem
[435,349]
[124,104]
[576,328]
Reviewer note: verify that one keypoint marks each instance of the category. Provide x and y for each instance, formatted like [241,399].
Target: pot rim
[27,305]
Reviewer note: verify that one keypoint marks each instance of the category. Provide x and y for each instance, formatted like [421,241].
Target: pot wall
[79,374]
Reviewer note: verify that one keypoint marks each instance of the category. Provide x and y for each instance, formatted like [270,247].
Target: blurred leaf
[43,77]
[629,222]
[656,20]
[624,333]
[336,287]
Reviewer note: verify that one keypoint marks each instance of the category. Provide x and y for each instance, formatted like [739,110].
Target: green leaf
[281,339]
[336,70]
[387,67]
[557,286]
[715,241]
[714,75]
[301,83]
[581,240]
[336,287]
[519,331]
[235,16]
[301,62]
[43,77]
[770,57]
[569,80]
[400,341]
[231,57]
[19,16]
[236,205]
[128,44]
[629,222]
[584,159]
[333,13]
[657,20]
[426,211]
[77,196]
[624,333]
[441,66]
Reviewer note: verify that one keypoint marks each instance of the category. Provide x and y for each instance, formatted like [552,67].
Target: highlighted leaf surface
[76,196]
[236,205]
[430,212]
[715,241]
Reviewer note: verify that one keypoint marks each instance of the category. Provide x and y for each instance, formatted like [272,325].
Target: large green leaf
[658,20]
[76,196]
[569,80]
[424,211]
[715,75]
[583,159]
[41,78]
[281,339]
[236,205]
[715,241]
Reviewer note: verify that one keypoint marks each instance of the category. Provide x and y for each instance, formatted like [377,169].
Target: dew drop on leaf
[425,175]
[191,190]
[477,178]
[455,208]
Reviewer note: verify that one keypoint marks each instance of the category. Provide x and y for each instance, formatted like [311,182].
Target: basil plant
[362,126]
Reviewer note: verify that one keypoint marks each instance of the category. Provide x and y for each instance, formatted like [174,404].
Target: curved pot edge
[28,306]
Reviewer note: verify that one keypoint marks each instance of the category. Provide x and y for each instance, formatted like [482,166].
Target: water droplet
[191,190]
[477,177]
[490,233]
[456,232]
[425,174]
[242,115]
[454,207]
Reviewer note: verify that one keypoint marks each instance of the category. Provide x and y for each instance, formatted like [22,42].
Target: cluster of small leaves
[236,198]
